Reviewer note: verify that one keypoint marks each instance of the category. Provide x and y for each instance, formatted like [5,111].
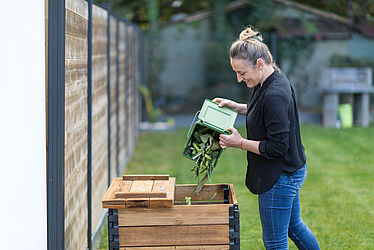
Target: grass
[336,200]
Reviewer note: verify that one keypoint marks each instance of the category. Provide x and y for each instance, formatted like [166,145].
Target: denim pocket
[298,178]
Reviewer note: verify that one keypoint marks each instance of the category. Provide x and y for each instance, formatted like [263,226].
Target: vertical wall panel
[113,103]
[130,100]
[121,118]
[127,82]
[137,82]
[99,112]
[76,124]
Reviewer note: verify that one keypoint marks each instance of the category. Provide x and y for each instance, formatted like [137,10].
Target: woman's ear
[260,64]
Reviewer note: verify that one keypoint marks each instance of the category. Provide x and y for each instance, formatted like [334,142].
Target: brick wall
[113,101]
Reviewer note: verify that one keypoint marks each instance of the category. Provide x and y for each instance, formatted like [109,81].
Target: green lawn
[337,198]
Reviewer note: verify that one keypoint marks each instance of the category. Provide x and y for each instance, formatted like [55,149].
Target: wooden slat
[206,193]
[174,235]
[232,196]
[178,203]
[125,186]
[141,186]
[140,194]
[177,215]
[108,198]
[200,247]
[169,187]
[137,202]
[145,177]
[161,186]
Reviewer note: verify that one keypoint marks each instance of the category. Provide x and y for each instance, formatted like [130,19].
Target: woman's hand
[233,140]
[222,102]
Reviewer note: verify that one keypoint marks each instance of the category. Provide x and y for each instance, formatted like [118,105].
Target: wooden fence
[102,112]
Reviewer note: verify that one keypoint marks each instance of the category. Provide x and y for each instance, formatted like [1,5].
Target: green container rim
[212,120]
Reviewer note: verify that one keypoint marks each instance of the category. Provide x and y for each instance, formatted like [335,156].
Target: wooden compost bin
[150,212]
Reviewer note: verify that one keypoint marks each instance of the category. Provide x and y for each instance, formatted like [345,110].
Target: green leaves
[204,150]
[188,200]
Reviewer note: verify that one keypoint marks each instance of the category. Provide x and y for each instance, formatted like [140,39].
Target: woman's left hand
[233,140]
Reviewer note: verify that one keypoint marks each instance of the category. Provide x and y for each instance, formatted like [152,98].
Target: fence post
[107,6]
[117,96]
[133,99]
[126,91]
[89,126]
[138,103]
[56,125]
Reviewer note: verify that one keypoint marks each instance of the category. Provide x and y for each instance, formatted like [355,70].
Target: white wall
[23,213]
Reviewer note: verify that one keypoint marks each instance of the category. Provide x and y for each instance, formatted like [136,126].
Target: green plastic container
[214,119]
[346,115]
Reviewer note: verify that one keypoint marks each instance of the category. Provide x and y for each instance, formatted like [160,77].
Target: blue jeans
[280,214]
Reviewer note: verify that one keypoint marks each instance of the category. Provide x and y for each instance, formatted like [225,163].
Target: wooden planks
[182,235]
[200,247]
[161,186]
[145,177]
[179,227]
[232,196]
[75,126]
[99,112]
[206,193]
[140,195]
[177,215]
[138,192]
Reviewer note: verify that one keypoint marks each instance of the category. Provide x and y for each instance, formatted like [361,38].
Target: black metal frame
[134,55]
[234,224]
[117,95]
[113,235]
[226,193]
[126,88]
[89,127]
[108,93]
[56,125]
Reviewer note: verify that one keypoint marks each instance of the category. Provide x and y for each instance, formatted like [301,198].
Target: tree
[361,11]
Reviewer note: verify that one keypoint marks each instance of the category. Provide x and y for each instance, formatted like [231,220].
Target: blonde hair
[249,47]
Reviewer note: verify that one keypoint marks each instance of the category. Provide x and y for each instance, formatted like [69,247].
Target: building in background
[306,41]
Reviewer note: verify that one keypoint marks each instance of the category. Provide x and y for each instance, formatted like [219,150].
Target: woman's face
[249,74]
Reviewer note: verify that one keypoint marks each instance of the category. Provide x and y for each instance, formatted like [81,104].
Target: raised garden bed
[210,222]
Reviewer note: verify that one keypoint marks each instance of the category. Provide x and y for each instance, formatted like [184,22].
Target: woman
[276,161]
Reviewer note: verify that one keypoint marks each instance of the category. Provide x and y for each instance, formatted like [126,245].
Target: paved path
[185,120]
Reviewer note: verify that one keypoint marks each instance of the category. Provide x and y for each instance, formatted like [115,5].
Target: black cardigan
[272,119]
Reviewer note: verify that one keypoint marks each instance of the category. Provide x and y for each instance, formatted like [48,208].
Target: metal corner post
[108,92]
[117,96]
[89,127]
[126,89]
[56,125]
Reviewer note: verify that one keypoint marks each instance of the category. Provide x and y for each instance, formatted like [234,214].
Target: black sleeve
[277,126]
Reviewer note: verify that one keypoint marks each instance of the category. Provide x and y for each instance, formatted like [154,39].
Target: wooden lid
[140,191]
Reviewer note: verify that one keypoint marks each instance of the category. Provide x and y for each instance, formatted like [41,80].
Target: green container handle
[193,121]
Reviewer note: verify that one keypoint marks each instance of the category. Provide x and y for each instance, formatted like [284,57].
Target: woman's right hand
[222,102]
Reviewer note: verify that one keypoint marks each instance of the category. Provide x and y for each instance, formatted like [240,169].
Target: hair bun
[249,33]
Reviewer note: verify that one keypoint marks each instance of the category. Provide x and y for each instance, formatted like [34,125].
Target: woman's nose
[239,78]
